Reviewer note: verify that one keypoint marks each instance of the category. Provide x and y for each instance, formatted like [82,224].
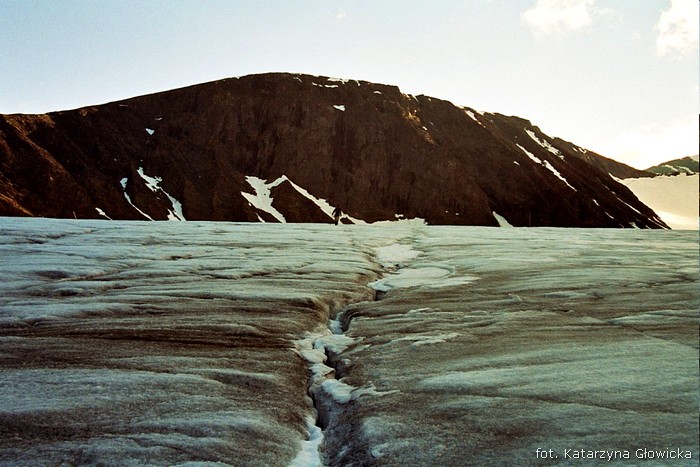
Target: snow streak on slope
[123,183]
[262,199]
[102,213]
[547,166]
[321,203]
[544,144]
[472,115]
[153,184]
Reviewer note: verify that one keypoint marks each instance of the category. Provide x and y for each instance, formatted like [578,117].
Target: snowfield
[202,343]
[673,198]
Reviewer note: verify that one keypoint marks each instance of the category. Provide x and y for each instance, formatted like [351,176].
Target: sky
[619,77]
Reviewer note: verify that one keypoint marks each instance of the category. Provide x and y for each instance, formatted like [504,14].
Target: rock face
[377,153]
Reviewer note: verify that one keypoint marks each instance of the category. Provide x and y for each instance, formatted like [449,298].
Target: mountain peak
[369,148]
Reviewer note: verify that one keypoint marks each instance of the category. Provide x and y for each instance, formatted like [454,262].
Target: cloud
[557,16]
[552,17]
[677,29]
[656,143]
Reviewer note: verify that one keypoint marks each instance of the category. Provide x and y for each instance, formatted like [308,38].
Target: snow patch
[545,144]
[422,339]
[425,275]
[502,222]
[262,198]
[343,393]
[309,455]
[392,256]
[472,116]
[336,343]
[417,221]
[419,310]
[102,213]
[340,107]
[338,80]
[343,81]
[150,131]
[657,318]
[153,184]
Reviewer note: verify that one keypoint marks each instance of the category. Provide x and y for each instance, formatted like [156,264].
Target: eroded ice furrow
[328,391]
[334,436]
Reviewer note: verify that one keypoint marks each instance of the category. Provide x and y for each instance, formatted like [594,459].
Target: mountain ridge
[369,148]
[683,165]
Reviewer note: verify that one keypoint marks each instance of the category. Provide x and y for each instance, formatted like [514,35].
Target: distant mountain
[285,147]
[685,165]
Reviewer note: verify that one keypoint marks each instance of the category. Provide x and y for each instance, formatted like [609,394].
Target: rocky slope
[299,145]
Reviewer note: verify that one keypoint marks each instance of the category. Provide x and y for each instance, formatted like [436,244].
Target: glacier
[180,343]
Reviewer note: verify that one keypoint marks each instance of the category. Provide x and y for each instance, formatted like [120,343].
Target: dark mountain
[368,148]
[685,165]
